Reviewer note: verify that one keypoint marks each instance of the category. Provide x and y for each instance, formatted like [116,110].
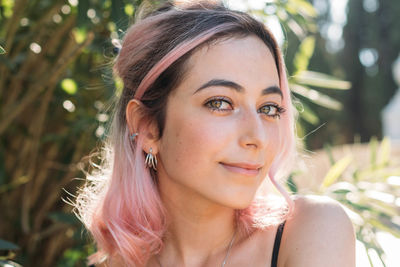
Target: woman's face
[222,124]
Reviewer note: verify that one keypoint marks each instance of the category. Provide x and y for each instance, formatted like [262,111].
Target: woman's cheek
[206,136]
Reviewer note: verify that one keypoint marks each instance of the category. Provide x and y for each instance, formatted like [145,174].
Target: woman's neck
[198,230]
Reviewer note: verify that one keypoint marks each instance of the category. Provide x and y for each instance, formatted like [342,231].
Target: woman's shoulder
[319,233]
[314,205]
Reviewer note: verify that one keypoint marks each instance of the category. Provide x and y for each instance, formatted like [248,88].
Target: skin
[201,194]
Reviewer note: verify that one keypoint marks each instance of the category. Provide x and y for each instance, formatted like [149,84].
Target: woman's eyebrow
[237,87]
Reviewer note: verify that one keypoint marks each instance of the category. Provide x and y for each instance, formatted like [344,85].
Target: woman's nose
[252,131]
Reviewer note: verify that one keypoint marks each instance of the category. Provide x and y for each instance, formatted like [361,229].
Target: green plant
[369,193]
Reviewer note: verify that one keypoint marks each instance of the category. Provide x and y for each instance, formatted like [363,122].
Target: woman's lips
[248,171]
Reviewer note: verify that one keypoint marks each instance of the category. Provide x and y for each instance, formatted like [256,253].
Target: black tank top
[277,243]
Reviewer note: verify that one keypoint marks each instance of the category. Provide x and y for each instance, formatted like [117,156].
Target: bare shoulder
[319,233]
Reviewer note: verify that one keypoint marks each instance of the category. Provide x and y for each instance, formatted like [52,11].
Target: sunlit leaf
[384,152]
[119,85]
[79,34]
[302,7]
[380,207]
[69,86]
[336,171]
[292,184]
[383,227]
[14,184]
[316,97]
[296,28]
[308,115]
[343,187]
[7,8]
[372,173]
[2,51]
[321,80]
[281,14]
[328,150]
[129,9]
[374,255]
[300,128]
[373,144]
[305,52]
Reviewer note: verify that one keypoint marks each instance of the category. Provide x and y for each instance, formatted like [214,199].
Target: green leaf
[328,150]
[80,35]
[316,97]
[321,80]
[2,51]
[7,8]
[69,86]
[379,225]
[292,184]
[296,28]
[305,52]
[14,184]
[336,171]
[5,245]
[119,86]
[129,9]
[308,115]
[373,143]
[303,7]
[384,152]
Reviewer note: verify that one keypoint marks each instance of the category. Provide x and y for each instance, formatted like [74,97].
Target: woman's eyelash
[279,110]
[216,104]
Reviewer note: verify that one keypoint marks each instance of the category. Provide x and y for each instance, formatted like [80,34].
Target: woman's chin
[238,203]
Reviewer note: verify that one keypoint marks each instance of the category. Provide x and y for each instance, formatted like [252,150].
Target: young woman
[204,121]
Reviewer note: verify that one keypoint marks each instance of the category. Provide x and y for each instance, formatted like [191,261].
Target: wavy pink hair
[120,204]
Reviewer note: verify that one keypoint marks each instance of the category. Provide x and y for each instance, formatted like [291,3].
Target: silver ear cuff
[151,160]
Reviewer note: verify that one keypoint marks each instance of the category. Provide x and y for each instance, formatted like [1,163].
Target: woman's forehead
[242,60]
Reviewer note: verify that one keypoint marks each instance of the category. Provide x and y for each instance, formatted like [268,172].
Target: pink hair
[174,54]
[120,204]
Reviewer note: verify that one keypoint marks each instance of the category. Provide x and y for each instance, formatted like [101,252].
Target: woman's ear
[138,122]
[134,114]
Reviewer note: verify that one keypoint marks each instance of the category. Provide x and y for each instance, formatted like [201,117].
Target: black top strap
[278,237]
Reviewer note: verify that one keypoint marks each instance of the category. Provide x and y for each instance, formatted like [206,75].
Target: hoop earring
[132,136]
[151,160]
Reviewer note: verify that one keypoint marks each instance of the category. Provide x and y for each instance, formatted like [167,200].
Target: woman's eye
[272,110]
[219,104]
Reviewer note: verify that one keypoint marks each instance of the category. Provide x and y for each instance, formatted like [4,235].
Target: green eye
[272,110]
[219,104]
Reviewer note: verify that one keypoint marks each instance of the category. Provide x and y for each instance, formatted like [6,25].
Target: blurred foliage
[363,29]
[369,193]
[56,87]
